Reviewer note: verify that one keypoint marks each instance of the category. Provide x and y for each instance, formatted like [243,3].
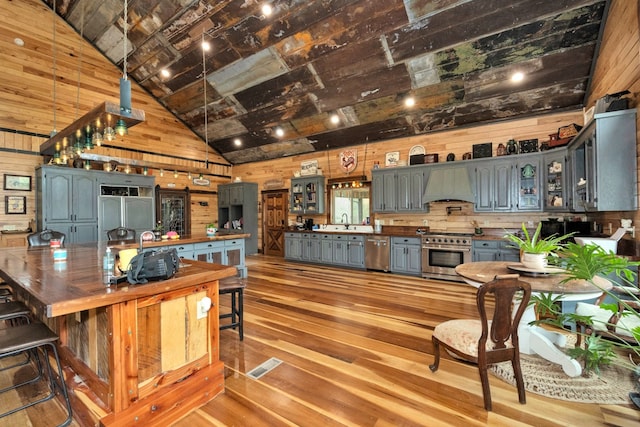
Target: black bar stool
[31,338]
[235,287]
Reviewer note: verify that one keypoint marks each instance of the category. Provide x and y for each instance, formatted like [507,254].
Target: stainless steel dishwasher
[377,253]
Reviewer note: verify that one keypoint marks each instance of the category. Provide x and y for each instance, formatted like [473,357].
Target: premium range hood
[448,183]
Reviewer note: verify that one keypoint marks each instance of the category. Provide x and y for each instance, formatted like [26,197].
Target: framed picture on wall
[17,182]
[15,205]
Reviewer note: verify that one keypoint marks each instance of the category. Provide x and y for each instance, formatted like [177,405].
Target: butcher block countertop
[58,288]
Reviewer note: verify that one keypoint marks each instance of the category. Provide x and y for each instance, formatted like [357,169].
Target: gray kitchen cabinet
[67,202]
[345,250]
[209,252]
[528,184]
[185,251]
[326,249]
[355,251]
[238,204]
[493,250]
[604,165]
[315,247]
[340,249]
[293,246]
[307,195]
[508,184]
[383,185]
[406,255]
[398,189]
[555,182]
[410,186]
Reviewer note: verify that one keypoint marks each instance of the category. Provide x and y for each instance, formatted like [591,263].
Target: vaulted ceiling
[357,59]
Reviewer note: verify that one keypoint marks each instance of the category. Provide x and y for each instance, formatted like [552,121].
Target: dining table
[142,354]
[534,339]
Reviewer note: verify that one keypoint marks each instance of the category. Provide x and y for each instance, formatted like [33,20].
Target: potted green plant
[211,229]
[534,249]
[584,262]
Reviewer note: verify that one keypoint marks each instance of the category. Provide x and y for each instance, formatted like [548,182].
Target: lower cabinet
[493,250]
[325,248]
[406,255]
[225,252]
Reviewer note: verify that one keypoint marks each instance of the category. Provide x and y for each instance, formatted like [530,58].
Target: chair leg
[486,392]
[517,372]
[241,314]
[436,354]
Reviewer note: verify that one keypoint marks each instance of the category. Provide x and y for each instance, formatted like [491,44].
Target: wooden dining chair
[44,237]
[121,233]
[486,341]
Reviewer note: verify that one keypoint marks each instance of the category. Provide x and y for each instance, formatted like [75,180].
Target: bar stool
[30,338]
[235,287]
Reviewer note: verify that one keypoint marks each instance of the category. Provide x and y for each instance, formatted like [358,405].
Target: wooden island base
[133,354]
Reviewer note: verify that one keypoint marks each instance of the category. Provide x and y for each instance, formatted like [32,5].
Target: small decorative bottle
[108,261]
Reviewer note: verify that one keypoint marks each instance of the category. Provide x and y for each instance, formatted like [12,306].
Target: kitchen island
[134,354]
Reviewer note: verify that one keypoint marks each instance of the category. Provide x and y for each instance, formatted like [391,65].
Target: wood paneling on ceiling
[310,59]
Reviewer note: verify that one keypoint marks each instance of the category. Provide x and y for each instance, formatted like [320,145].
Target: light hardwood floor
[355,348]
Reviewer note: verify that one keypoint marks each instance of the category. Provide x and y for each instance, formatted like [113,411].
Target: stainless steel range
[442,252]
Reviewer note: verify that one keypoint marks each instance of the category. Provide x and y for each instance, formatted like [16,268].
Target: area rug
[542,377]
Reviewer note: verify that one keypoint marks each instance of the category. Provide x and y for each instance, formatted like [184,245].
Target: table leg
[535,340]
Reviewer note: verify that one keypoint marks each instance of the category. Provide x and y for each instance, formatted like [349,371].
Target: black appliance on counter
[580,228]
[308,224]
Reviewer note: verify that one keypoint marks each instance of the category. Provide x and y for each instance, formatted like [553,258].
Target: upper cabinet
[307,195]
[604,165]
[555,186]
[398,190]
[508,184]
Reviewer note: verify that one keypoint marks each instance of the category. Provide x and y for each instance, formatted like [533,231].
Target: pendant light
[117,119]
[125,84]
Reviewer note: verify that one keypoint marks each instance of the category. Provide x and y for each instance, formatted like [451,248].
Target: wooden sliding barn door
[275,206]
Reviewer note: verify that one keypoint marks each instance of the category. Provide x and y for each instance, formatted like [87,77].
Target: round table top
[485,271]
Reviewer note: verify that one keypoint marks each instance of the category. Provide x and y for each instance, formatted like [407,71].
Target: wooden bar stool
[31,338]
[235,287]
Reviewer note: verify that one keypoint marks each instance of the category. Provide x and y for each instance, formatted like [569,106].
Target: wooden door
[275,205]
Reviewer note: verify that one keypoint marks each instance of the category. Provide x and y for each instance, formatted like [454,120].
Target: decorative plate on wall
[416,149]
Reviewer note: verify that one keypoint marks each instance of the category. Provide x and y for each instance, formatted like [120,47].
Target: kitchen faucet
[142,235]
[346,223]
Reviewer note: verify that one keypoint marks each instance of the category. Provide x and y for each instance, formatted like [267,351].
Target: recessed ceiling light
[206,46]
[517,77]
[279,132]
[18,41]
[165,73]
[335,119]
[409,101]
[237,142]
[267,9]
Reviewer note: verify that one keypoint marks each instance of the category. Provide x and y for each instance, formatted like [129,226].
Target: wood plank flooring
[355,348]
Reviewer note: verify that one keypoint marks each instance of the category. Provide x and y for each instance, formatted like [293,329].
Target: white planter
[534,261]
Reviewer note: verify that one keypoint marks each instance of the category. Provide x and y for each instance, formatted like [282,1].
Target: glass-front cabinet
[555,182]
[528,179]
[307,195]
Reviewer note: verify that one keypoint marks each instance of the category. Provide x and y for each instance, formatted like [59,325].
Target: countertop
[75,285]
[183,240]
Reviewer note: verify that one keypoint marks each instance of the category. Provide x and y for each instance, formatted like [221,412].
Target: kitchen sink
[340,228]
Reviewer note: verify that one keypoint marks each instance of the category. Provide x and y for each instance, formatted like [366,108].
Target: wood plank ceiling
[354,58]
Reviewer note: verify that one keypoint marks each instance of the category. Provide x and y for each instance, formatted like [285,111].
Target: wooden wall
[84,79]
[26,109]
[618,69]
[457,142]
